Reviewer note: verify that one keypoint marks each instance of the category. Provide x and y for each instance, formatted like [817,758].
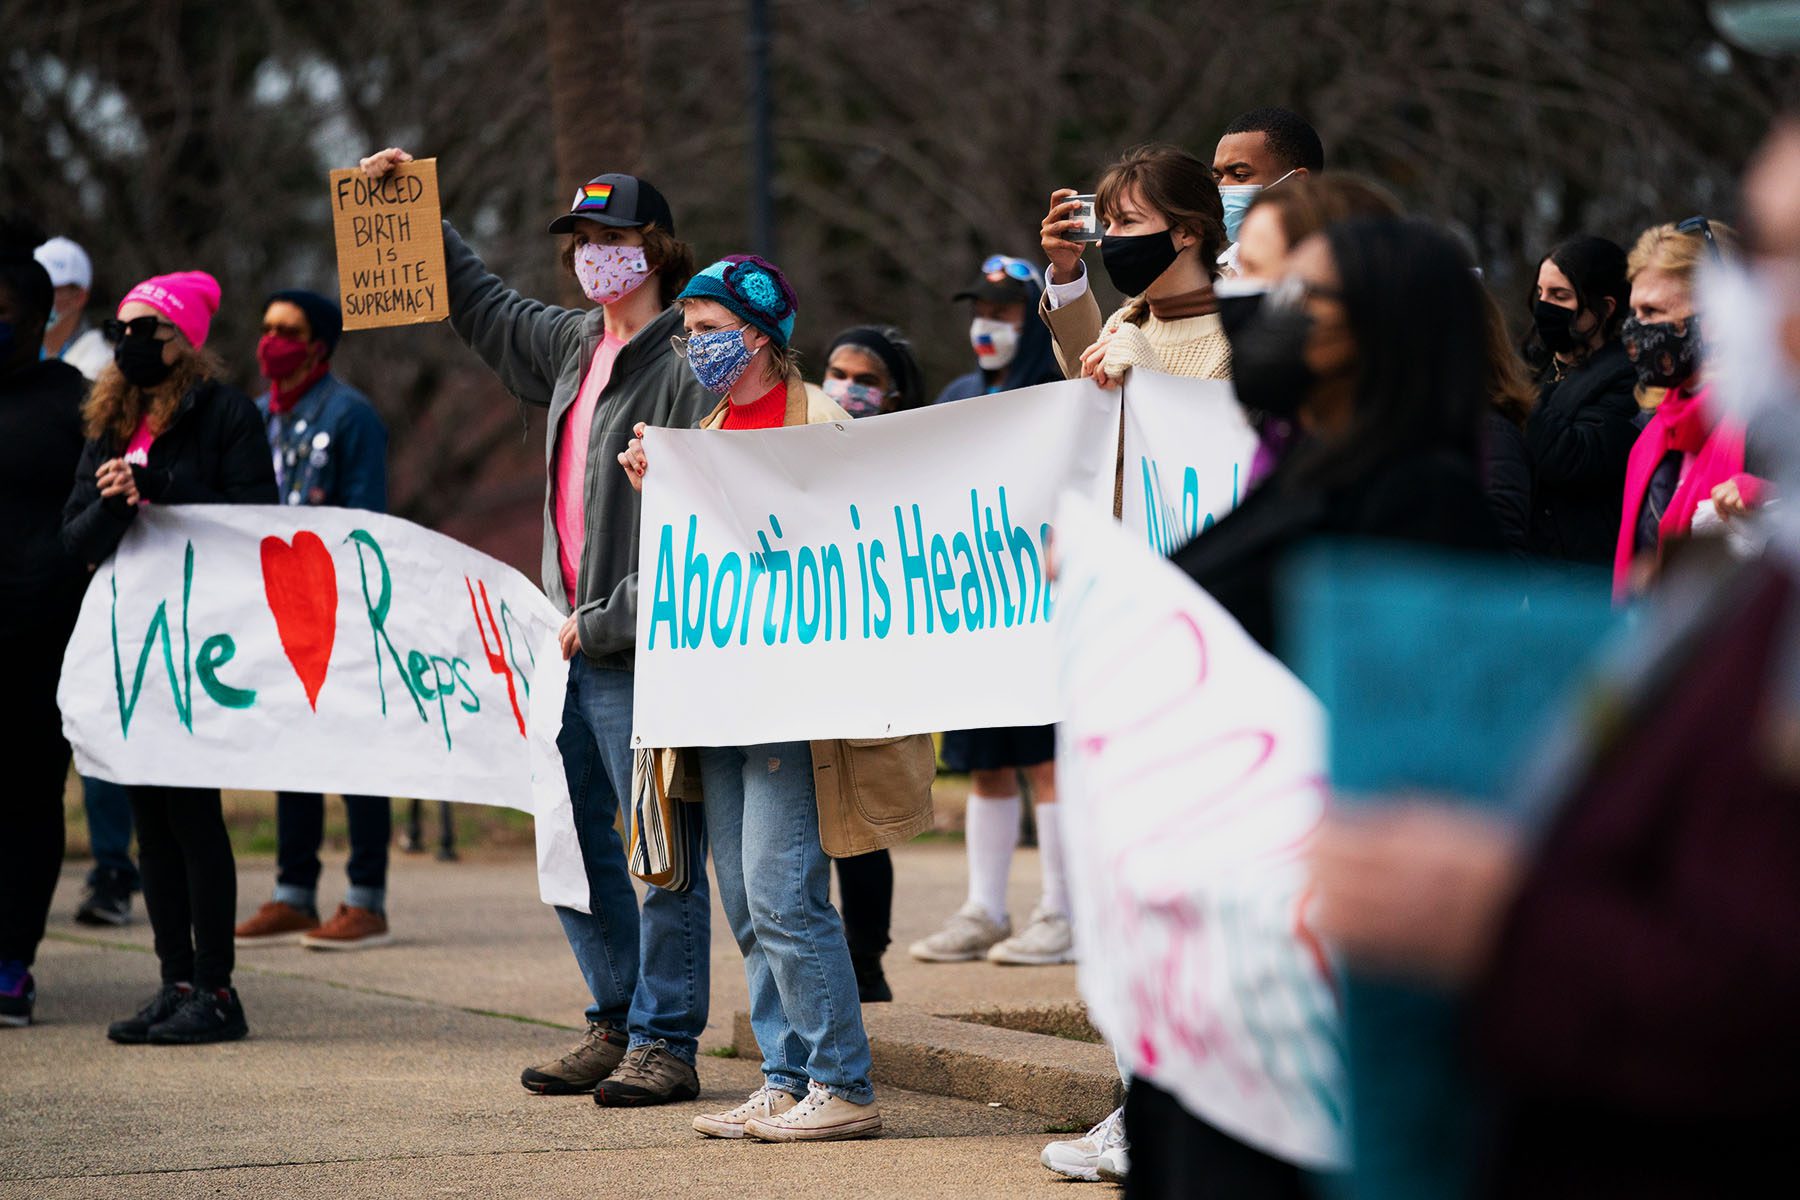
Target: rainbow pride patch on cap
[593,195]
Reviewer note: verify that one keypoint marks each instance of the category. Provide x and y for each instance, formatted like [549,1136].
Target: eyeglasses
[116,330]
[999,265]
[1703,227]
[1293,292]
[679,342]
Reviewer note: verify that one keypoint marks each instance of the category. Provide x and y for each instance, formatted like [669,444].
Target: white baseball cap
[67,263]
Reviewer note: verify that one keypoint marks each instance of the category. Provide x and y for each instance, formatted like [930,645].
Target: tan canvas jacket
[872,792]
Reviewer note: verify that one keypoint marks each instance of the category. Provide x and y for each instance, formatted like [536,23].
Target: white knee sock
[1050,859]
[991,828]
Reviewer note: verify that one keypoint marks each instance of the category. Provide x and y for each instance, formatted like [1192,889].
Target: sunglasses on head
[116,330]
[998,265]
[1703,227]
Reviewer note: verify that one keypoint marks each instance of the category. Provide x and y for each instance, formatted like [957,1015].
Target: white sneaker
[1079,1158]
[1115,1164]
[821,1117]
[765,1101]
[965,937]
[1047,940]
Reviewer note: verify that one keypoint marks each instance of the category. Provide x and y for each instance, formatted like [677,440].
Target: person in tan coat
[775,812]
[1163,233]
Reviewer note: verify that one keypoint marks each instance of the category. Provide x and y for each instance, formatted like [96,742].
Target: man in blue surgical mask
[1261,148]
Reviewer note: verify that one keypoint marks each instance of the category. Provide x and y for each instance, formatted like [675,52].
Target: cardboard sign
[390,246]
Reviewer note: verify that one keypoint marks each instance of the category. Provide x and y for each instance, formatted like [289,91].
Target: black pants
[190,882]
[866,885]
[31,816]
[1177,1156]
[300,831]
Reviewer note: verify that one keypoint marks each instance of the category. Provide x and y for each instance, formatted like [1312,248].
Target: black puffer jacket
[214,452]
[1507,476]
[1579,438]
[40,441]
[1433,498]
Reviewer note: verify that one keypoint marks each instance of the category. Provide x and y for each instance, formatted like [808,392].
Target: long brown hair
[1312,203]
[1175,184]
[1509,387]
[116,406]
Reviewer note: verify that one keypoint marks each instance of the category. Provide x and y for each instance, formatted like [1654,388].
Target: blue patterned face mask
[719,358]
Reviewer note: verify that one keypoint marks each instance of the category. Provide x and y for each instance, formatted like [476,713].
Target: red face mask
[279,357]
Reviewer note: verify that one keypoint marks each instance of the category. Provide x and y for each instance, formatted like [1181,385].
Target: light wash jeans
[656,985]
[775,886]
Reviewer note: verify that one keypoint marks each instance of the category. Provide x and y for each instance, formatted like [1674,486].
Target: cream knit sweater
[1195,347]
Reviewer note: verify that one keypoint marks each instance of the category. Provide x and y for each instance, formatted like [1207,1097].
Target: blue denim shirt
[330,448]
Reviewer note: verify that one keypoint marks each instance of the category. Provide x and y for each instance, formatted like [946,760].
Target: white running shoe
[968,935]
[1079,1158]
[821,1117]
[765,1101]
[1115,1164]
[1047,940]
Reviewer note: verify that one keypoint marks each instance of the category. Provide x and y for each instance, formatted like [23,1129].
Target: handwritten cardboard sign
[390,246]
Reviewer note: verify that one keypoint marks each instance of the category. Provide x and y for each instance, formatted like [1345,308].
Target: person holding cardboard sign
[600,372]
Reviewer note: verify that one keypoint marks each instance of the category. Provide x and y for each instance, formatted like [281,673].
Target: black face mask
[1268,360]
[1662,356]
[1134,263]
[1556,326]
[1237,308]
[140,360]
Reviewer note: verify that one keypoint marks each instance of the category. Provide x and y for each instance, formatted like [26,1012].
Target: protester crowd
[1636,428]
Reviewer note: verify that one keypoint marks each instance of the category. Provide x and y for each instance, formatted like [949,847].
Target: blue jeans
[775,886]
[300,831]
[108,810]
[655,986]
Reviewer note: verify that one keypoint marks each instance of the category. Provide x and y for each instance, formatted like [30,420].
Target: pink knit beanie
[187,298]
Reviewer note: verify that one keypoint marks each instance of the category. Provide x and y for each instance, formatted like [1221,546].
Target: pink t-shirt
[137,450]
[571,462]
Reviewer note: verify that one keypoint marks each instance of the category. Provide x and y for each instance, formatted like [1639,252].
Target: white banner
[322,650]
[860,579]
[1191,776]
[1188,452]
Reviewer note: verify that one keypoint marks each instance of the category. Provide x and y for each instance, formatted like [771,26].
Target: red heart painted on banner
[301,583]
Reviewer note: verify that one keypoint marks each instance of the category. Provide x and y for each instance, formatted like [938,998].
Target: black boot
[871,984]
[135,1030]
[214,1016]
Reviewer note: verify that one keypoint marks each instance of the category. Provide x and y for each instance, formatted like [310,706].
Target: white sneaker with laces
[1115,1164]
[1079,1158]
[821,1117]
[765,1101]
[1048,939]
[965,937]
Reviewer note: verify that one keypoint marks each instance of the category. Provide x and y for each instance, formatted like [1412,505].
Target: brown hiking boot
[648,1074]
[274,923]
[350,928]
[592,1060]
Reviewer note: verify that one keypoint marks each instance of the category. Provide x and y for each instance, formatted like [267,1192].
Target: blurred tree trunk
[596,90]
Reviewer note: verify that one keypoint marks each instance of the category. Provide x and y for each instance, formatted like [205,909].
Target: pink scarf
[1711,455]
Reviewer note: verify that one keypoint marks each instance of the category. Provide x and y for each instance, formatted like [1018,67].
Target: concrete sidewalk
[394,1071]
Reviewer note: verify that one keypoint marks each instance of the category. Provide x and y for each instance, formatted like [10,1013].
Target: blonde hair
[1665,248]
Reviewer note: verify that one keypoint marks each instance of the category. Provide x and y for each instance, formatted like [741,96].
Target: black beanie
[895,352]
[322,313]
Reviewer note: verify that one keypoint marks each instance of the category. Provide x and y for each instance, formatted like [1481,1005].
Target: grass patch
[721,1052]
[1054,1130]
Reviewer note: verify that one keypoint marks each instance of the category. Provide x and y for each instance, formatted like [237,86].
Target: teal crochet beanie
[754,289]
